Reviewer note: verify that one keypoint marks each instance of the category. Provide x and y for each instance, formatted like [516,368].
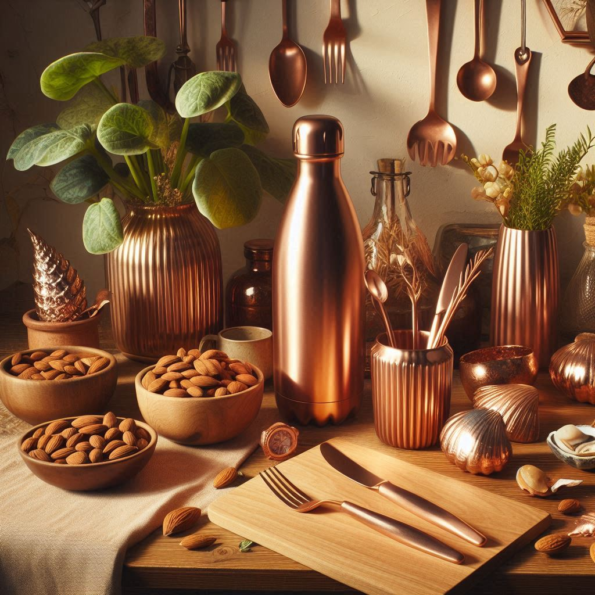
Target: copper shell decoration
[518,404]
[572,369]
[476,441]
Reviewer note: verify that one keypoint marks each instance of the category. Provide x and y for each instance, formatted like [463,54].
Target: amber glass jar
[248,296]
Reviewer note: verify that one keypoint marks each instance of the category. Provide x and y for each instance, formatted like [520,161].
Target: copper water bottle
[318,293]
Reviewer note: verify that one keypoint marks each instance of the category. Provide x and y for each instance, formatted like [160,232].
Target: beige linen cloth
[62,543]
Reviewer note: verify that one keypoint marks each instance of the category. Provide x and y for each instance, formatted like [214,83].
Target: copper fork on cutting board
[226,48]
[296,499]
[333,46]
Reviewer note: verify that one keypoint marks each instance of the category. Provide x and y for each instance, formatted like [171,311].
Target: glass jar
[248,295]
[578,310]
[390,231]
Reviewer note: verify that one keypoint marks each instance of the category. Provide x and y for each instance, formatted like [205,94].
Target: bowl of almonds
[41,384]
[199,398]
[89,452]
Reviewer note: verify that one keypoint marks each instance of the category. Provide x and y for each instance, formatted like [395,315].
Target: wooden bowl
[54,334]
[91,476]
[37,400]
[199,421]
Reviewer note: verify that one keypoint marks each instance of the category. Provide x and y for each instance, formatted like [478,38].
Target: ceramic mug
[251,344]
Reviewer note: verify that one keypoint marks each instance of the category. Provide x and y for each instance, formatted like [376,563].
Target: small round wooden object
[279,441]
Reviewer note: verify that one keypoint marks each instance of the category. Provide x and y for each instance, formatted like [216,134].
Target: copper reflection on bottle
[318,292]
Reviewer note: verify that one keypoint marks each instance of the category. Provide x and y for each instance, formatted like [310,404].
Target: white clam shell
[569,456]
[476,441]
[518,404]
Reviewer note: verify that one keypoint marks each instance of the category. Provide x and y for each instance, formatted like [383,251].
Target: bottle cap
[390,166]
[259,249]
[318,136]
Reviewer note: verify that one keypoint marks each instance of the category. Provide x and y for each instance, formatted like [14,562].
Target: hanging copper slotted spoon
[226,48]
[433,137]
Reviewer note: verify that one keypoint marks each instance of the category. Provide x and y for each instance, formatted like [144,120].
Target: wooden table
[160,565]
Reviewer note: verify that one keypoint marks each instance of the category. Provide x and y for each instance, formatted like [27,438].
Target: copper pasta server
[297,500]
[333,46]
[226,48]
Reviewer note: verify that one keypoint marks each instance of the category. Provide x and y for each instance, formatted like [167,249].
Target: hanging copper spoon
[379,292]
[522,58]
[477,79]
[288,69]
[582,88]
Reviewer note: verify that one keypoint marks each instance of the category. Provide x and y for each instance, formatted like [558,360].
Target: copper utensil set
[293,497]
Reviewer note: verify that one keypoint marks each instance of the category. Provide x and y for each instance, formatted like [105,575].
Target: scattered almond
[180,519]
[225,478]
[553,544]
[569,506]
[197,541]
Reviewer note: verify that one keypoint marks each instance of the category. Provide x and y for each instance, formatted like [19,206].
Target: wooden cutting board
[340,547]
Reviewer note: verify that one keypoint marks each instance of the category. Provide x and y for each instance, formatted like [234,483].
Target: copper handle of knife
[431,512]
[403,533]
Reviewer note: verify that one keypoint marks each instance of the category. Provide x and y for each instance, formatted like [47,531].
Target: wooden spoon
[288,68]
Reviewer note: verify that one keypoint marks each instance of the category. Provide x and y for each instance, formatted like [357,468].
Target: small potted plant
[528,196]
[179,179]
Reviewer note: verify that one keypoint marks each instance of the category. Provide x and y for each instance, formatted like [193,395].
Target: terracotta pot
[165,281]
[84,333]
[525,291]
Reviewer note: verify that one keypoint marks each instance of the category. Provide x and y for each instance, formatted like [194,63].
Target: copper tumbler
[410,390]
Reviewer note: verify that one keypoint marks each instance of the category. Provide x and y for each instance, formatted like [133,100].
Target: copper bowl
[92,476]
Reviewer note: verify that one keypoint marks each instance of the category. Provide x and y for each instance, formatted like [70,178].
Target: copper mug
[410,390]
[252,344]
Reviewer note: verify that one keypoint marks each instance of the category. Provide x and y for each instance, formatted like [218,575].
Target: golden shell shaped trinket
[518,404]
[476,441]
[572,369]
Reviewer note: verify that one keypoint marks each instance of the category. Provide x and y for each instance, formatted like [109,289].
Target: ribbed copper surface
[410,391]
[572,369]
[525,291]
[165,280]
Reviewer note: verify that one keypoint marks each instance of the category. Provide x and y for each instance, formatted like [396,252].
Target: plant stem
[137,174]
[189,175]
[175,176]
[114,175]
[152,174]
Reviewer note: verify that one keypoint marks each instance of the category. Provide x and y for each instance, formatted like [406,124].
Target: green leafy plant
[166,158]
[530,195]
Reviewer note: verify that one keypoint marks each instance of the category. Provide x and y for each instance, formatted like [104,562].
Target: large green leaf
[86,107]
[276,175]
[243,110]
[227,188]
[102,227]
[27,136]
[160,135]
[53,147]
[79,180]
[207,137]
[206,92]
[134,51]
[126,129]
[63,78]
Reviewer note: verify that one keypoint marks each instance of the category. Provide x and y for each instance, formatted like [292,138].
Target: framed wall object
[570,19]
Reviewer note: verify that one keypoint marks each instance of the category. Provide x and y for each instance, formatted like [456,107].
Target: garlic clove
[533,480]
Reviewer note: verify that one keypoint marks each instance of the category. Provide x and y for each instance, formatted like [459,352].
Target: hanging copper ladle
[582,88]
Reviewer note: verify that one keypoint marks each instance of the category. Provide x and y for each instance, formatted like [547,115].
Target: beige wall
[385,93]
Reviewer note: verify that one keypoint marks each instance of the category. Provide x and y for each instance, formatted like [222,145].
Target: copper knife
[409,501]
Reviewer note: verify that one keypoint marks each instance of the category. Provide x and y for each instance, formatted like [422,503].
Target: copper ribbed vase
[410,391]
[165,280]
[525,291]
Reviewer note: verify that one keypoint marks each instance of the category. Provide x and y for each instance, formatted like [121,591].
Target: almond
[77,458]
[190,373]
[93,429]
[70,358]
[86,420]
[62,453]
[592,549]
[201,367]
[89,361]
[195,353]
[186,384]
[37,355]
[16,359]
[29,444]
[158,370]
[221,391]
[54,443]
[180,519]
[141,443]
[188,359]
[38,433]
[70,369]
[40,455]
[195,391]
[59,353]
[149,377]
[142,433]
[56,426]
[213,354]
[98,365]
[168,360]
[172,376]
[58,364]
[127,425]
[213,366]
[96,455]
[179,393]
[43,440]
[225,478]
[197,541]
[113,445]
[30,371]
[238,368]
[83,447]
[129,438]
[157,385]
[80,367]
[236,387]
[112,434]
[181,352]
[178,367]
[68,433]
[74,440]
[97,441]
[36,377]
[110,420]
[552,544]
[43,366]
[247,379]
[122,451]
[204,381]
[569,506]
[60,462]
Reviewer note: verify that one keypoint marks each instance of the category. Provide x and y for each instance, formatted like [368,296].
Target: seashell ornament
[536,482]
[572,369]
[518,404]
[476,441]
[575,445]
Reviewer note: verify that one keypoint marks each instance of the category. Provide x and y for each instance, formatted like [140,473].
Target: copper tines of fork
[284,489]
[226,48]
[333,46]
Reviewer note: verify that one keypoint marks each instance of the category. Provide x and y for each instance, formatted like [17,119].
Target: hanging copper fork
[226,48]
[333,46]
[297,500]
